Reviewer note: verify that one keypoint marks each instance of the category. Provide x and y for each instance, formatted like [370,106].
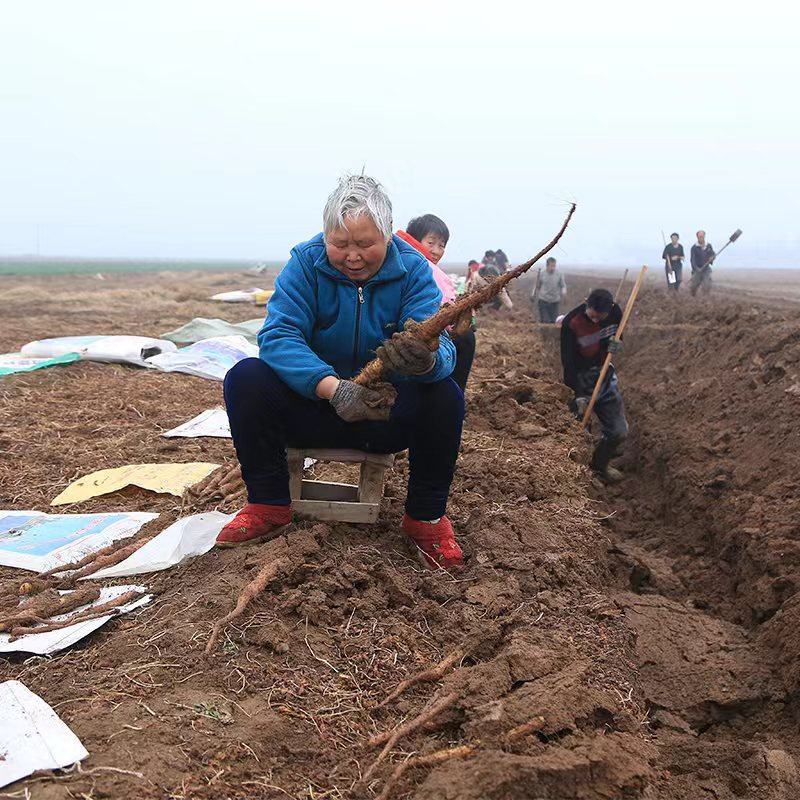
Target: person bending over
[430,235]
[587,335]
[343,295]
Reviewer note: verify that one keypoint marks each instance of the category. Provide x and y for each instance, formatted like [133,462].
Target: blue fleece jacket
[320,323]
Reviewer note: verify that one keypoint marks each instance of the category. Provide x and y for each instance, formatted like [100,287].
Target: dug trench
[705,531]
[635,642]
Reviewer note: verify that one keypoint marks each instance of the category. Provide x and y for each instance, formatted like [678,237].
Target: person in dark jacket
[345,294]
[501,259]
[673,262]
[702,257]
[588,333]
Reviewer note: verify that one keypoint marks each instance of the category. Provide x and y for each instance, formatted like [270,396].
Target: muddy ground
[649,630]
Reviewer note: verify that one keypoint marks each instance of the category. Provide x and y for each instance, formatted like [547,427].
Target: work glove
[581,404]
[354,403]
[614,345]
[405,355]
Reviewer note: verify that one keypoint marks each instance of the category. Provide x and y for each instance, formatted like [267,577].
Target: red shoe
[256,521]
[435,542]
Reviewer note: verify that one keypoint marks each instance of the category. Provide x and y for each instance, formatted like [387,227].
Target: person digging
[587,336]
[343,296]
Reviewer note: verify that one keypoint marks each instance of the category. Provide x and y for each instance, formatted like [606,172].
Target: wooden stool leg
[370,484]
[296,461]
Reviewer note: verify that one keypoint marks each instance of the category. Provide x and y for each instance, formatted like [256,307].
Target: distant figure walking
[702,256]
[673,262]
[549,290]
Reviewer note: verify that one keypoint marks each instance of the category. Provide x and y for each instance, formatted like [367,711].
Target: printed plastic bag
[16,362]
[210,358]
[238,296]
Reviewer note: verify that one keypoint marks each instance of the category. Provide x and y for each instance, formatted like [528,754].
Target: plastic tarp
[185,538]
[262,298]
[52,641]
[210,358]
[32,737]
[114,349]
[39,542]
[204,328]
[16,362]
[161,478]
[238,296]
[213,422]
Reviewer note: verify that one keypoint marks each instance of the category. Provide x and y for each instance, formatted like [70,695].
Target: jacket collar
[415,243]
[392,268]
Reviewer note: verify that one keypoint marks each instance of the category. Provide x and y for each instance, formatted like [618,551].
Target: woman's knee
[251,378]
[444,399]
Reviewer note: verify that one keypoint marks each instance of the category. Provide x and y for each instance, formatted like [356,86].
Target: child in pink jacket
[430,235]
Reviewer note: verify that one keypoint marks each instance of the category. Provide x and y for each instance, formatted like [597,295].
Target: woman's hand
[354,403]
[405,355]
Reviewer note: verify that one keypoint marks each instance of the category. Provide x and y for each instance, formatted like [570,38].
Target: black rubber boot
[604,451]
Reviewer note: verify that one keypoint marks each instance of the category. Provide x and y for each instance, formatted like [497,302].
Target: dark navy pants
[266,417]
[465,354]
[610,410]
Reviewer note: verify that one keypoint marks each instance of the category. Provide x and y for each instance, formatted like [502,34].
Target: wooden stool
[342,502]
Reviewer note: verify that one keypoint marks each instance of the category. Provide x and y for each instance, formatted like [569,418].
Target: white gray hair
[354,196]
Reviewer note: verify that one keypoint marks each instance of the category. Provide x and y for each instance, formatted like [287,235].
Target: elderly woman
[344,294]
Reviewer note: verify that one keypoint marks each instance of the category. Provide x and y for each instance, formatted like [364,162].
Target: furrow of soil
[706,538]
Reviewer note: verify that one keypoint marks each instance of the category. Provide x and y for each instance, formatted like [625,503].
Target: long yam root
[225,484]
[93,612]
[461,751]
[431,759]
[283,556]
[218,483]
[391,739]
[47,604]
[57,578]
[267,573]
[536,724]
[434,673]
[430,329]
[112,559]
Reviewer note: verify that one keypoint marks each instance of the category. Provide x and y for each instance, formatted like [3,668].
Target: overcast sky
[217,129]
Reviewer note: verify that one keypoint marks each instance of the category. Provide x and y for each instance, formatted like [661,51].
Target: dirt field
[648,632]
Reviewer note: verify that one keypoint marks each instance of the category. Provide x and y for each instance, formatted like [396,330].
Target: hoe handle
[607,363]
[621,284]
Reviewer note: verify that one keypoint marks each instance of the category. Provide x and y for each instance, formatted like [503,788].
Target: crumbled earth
[648,632]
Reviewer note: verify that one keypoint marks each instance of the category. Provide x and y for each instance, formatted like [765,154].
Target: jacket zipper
[358,327]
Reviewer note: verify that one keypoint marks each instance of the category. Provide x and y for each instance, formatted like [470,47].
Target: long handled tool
[701,274]
[621,284]
[607,362]
[535,292]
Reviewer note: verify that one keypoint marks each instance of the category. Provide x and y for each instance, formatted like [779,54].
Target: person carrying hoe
[587,334]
